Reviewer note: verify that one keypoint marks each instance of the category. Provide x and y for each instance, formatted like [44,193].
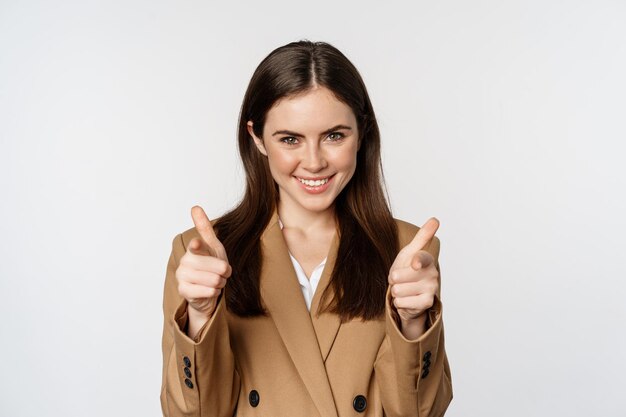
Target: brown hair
[367,230]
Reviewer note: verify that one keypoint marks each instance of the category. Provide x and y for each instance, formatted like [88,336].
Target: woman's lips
[315,189]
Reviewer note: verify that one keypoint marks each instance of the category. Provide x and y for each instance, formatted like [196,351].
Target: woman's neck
[306,221]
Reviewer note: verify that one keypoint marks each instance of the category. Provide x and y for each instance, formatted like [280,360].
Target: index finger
[425,234]
[421,259]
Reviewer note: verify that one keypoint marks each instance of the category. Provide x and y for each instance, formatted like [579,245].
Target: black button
[426,363]
[187,372]
[254,398]
[427,355]
[359,403]
[425,373]
[188,383]
[187,362]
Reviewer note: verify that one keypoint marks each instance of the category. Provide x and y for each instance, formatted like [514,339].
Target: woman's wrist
[196,321]
[412,329]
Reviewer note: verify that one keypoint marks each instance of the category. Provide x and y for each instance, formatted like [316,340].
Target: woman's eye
[289,140]
[335,136]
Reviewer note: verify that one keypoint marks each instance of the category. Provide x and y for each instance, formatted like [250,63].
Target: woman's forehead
[314,110]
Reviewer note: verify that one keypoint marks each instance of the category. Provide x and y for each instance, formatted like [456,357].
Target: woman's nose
[314,159]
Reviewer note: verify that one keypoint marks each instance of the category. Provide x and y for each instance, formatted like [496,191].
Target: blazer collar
[308,337]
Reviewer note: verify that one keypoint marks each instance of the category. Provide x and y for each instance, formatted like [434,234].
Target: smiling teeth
[315,183]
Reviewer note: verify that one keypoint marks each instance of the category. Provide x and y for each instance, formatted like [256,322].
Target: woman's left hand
[413,278]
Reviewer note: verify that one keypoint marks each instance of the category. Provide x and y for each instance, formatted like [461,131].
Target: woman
[308,298]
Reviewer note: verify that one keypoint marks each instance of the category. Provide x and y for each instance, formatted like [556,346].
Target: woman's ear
[258,142]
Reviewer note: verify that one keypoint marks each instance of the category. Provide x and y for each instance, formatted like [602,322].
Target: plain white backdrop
[505,119]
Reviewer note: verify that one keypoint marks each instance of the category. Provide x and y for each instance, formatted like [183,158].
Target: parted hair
[367,232]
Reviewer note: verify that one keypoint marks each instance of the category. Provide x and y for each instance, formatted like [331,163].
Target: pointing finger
[421,259]
[198,247]
[198,261]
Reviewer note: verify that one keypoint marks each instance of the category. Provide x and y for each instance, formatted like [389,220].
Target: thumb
[206,232]
[421,239]
[424,235]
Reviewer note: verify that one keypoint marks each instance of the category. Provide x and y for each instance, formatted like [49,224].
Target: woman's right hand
[202,272]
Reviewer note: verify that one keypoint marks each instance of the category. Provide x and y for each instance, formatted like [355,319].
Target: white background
[505,119]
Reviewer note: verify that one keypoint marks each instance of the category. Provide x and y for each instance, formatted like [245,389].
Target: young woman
[308,298]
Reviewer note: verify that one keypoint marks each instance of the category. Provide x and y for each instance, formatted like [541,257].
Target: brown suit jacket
[294,363]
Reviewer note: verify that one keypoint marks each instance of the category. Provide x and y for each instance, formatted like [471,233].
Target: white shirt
[307,285]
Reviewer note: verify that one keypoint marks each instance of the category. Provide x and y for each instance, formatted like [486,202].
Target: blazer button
[426,363]
[187,362]
[254,398]
[427,355]
[425,373]
[359,403]
[188,383]
[187,372]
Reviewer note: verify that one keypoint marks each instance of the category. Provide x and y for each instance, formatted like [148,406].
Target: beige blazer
[293,362]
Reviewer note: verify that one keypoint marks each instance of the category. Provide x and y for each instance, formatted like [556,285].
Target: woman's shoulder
[406,231]
[405,226]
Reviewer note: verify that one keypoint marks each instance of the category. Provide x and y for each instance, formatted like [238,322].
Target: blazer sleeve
[199,376]
[414,375]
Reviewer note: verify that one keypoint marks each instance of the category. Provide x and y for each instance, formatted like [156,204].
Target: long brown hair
[368,233]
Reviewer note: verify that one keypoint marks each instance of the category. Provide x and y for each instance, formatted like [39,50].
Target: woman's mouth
[315,186]
[313,183]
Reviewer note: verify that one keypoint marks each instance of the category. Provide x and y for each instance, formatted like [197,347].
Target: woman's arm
[199,376]
[413,375]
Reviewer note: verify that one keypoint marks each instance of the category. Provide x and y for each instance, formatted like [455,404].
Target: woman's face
[311,143]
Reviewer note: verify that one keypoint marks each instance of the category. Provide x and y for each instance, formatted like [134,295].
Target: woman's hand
[202,272]
[413,278]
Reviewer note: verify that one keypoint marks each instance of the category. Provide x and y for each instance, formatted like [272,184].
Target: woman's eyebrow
[300,135]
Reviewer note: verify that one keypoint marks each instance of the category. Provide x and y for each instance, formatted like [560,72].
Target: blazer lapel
[326,325]
[284,301]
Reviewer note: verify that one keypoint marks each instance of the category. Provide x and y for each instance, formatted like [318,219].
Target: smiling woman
[318,159]
[308,298]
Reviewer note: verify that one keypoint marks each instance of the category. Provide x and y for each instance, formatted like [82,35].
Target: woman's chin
[319,206]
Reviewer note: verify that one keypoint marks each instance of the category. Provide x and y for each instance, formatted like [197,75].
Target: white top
[307,285]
